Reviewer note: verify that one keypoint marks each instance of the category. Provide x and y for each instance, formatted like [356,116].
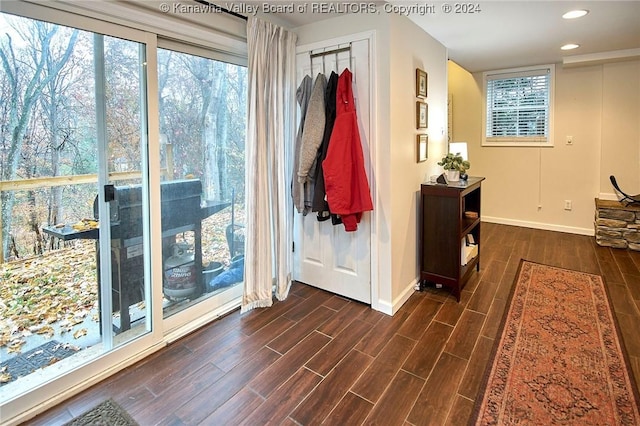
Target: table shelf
[444,228]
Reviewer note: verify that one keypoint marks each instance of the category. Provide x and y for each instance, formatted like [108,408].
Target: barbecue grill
[181,211]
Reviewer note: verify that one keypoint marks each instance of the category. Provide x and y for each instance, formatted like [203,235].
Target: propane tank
[180,272]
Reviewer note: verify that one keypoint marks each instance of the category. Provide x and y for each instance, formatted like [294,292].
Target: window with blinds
[519,107]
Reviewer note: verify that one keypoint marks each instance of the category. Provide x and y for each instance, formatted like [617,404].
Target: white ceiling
[507,34]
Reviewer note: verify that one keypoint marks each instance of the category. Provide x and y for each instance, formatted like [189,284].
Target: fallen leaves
[4,376]
[85,225]
[46,330]
[56,292]
[79,333]
[59,287]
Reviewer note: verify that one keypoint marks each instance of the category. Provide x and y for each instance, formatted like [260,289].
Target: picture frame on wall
[422,147]
[422,115]
[421,83]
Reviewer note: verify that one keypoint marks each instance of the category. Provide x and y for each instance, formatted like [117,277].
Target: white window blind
[519,106]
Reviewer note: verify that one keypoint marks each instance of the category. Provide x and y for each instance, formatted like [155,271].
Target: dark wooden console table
[450,218]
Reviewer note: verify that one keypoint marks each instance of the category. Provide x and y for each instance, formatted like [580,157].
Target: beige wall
[621,126]
[400,48]
[412,48]
[599,106]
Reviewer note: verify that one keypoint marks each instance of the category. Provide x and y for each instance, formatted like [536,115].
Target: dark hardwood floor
[317,357]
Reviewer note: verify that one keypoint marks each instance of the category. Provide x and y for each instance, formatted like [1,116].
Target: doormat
[559,358]
[107,413]
[30,361]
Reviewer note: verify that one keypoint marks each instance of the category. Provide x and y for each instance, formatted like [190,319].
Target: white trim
[43,12]
[608,196]
[384,307]
[391,308]
[180,323]
[514,143]
[203,320]
[405,295]
[539,225]
[600,58]
[376,217]
[174,30]
[217,31]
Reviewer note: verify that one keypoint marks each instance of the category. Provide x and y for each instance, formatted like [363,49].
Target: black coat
[319,202]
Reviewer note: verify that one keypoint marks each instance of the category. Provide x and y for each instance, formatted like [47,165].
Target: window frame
[520,141]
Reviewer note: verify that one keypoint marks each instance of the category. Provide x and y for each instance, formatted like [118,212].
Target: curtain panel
[270,140]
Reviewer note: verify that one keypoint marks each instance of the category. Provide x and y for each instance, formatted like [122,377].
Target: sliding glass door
[202,104]
[122,194]
[74,263]
[122,188]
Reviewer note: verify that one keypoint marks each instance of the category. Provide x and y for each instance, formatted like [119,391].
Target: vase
[453,175]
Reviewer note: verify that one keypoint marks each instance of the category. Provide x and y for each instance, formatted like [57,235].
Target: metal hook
[350,56]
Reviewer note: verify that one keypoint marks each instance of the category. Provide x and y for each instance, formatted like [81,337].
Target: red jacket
[345,179]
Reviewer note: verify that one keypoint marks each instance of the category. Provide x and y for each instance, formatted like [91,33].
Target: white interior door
[325,255]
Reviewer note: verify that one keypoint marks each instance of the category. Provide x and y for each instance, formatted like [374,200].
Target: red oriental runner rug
[559,359]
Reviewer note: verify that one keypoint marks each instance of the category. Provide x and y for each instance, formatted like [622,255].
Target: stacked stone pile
[617,225]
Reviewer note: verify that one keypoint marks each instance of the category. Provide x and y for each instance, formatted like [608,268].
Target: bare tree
[27,76]
[212,85]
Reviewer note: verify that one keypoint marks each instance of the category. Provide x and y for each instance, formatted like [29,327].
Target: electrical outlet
[567,204]
[569,140]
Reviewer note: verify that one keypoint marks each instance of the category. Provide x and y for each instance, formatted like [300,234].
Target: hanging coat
[302,96]
[311,139]
[345,178]
[320,205]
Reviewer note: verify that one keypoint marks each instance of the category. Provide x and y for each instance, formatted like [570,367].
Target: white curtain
[270,141]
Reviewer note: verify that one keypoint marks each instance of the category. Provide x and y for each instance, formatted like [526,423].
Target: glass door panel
[202,105]
[72,275]
[124,187]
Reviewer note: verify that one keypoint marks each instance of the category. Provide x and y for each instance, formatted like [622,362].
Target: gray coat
[313,129]
[311,140]
[302,95]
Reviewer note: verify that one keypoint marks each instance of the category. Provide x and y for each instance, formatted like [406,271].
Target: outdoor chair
[627,199]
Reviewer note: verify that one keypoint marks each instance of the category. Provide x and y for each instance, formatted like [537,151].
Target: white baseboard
[539,225]
[391,308]
[384,307]
[404,296]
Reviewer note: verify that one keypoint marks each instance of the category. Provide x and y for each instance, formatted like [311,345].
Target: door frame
[373,142]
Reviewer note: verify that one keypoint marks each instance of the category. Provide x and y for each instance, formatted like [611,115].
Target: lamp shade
[459,148]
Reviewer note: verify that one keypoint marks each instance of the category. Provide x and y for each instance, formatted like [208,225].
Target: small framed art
[421,83]
[423,147]
[422,115]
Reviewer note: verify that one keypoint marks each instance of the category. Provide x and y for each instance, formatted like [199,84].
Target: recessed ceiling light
[570,46]
[573,14]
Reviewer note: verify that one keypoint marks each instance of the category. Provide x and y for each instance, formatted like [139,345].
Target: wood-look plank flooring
[317,357]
